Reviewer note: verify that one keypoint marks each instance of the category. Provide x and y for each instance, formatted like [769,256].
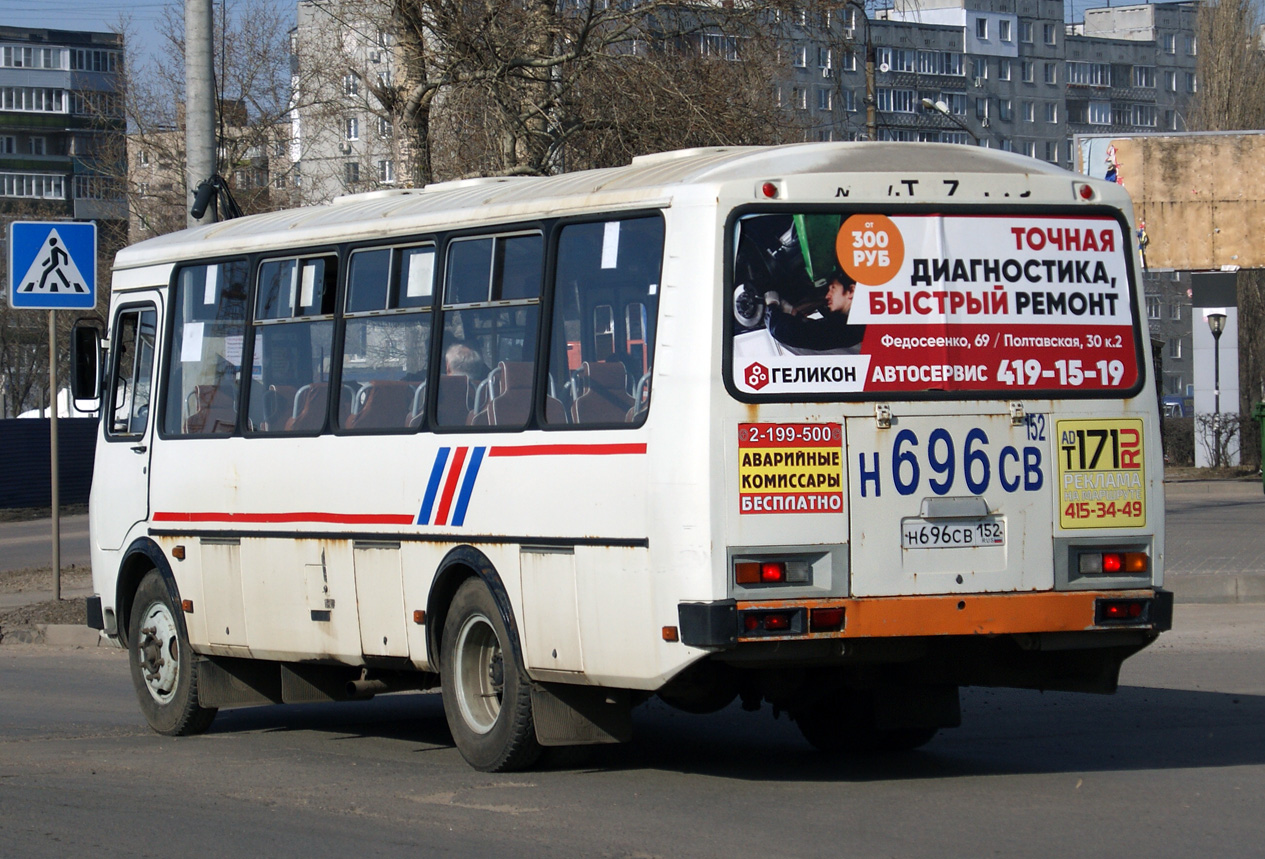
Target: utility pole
[199,128]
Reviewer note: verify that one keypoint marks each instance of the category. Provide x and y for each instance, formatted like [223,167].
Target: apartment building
[1008,74]
[61,123]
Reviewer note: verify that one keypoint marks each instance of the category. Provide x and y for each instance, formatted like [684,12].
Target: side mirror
[85,362]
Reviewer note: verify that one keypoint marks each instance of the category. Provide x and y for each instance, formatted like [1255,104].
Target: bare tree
[536,86]
[252,55]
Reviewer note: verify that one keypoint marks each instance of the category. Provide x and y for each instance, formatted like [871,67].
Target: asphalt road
[30,543]
[1173,765]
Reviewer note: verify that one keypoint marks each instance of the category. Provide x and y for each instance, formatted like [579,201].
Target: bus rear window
[863,305]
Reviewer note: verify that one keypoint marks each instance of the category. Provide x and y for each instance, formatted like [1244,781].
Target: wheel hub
[158,653]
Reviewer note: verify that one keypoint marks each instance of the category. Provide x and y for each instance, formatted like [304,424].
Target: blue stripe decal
[467,485]
[432,488]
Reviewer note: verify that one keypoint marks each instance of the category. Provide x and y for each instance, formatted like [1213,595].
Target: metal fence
[24,461]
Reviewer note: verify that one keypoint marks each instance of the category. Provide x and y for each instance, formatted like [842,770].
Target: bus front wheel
[164,670]
[486,692]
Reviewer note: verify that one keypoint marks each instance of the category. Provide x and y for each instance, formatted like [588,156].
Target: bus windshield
[860,304]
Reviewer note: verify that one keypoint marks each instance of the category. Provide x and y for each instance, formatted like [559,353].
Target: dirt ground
[40,579]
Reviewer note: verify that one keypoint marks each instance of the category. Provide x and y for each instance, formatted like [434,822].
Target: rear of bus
[941,458]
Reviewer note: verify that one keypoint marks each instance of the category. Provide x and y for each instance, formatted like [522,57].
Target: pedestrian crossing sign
[52,265]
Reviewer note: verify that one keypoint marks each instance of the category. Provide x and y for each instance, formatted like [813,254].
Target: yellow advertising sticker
[1102,483]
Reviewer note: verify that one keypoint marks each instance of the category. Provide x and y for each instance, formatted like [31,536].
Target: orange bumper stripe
[959,614]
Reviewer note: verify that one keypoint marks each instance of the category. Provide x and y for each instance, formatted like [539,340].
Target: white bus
[840,428]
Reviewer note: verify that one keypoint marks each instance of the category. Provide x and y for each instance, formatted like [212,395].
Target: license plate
[951,533]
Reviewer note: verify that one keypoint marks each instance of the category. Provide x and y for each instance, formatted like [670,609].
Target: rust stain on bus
[958,614]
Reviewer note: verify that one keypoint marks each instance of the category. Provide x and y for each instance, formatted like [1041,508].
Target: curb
[52,635]
[1217,589]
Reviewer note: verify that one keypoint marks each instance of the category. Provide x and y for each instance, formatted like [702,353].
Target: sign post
[53,266]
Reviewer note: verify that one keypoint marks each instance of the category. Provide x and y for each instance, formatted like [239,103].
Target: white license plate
[951,533]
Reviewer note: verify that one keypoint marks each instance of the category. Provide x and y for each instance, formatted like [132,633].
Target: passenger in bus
[819,327]
[462,360]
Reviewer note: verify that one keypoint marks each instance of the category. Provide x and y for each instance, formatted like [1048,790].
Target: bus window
[293,340]
[204,362]
[608,274]
[133,364]
[491,306]
[387,338]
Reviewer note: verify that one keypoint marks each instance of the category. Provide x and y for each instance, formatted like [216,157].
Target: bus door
[128,425]
[950,504]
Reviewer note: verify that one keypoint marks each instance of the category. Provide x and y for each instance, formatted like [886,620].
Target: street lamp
[1216,324]
[941,107]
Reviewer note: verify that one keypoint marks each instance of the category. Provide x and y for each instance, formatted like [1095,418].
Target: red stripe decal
[568,450]
[266,518]
[450,485]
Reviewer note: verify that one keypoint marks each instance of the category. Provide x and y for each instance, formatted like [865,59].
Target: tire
[486,693]
[164,670]
[844,723]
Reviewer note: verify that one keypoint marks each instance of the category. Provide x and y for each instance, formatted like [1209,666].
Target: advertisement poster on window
[831,304]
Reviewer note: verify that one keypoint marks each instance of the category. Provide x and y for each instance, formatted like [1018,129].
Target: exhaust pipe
[363,690]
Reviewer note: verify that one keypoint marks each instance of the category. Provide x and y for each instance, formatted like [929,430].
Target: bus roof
[650,180]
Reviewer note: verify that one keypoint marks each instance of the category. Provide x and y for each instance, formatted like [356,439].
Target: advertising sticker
[790,468]
[835,304]
[1101,479]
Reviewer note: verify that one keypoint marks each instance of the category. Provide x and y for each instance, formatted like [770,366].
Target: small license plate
[951,533]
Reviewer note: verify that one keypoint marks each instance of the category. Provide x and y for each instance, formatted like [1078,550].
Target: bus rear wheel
[487,694]
[164,670]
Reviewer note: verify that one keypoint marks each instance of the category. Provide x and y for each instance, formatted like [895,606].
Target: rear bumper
[725,623]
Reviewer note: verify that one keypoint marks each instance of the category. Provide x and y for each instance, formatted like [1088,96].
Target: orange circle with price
[870,249]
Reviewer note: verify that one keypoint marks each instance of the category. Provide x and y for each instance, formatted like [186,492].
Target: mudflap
[567,715]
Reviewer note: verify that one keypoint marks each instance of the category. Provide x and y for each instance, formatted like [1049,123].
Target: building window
[1144,76]
[8,144]
[849,61]
[898,59]
[1170,81]
[40,186]
[39,146]
[940,63]
[800,58]
[825,99]
[1144,115]
[981,28]
[979,69]
[1005,110]
[1052,151]
[1052,112]
[1025,32]
[1003,69]
[1099,113]
[1191,83]
[1048,33]
[1025,71]
[849,101]
[279,181]
[1089,74]
[1029,111]
[1152,307]
[1175,347]
[386,172]
[351,172]
[351,85]
[1192,46]
[1003,30]
[897,100]
[1170,43]
[1050,73]
[1030,148]
[352,128]
[981,108]
[33,99]
[825,58]
[799,98]
[1175,312]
